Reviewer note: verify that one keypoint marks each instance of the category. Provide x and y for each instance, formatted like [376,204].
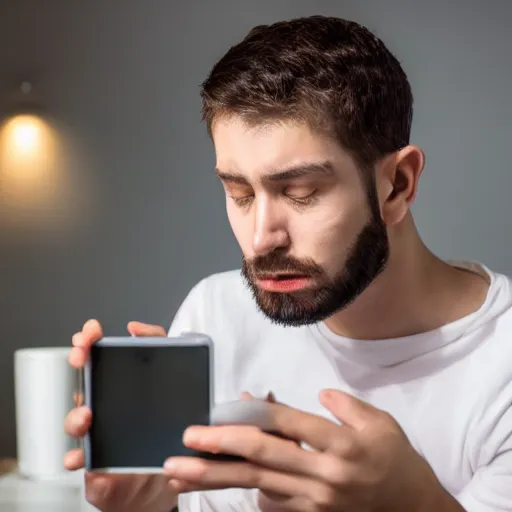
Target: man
[391,367]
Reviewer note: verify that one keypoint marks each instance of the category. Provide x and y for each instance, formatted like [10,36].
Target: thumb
[350,410]
[141,329]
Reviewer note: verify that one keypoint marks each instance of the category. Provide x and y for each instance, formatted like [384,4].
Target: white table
[18,494]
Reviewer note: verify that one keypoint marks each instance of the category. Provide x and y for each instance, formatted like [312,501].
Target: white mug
[44,387]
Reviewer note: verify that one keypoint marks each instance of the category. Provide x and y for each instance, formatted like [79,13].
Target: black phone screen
[142,400]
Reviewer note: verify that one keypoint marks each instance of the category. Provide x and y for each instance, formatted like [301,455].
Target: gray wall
[122,79]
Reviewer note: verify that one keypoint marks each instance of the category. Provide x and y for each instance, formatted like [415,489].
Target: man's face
[311,238]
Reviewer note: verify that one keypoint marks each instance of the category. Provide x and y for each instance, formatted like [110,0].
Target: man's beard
[366,259]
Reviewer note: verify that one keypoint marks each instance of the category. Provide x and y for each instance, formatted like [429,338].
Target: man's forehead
[274,149]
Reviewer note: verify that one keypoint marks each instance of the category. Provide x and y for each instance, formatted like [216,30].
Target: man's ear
[397,182]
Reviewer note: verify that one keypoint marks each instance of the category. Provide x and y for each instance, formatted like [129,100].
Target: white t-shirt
[450,389]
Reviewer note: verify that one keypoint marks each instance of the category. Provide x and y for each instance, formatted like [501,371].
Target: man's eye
[302,199]
[299,197]
[242,201]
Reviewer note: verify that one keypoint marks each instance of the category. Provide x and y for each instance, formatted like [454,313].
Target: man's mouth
[283,283]
[281,276]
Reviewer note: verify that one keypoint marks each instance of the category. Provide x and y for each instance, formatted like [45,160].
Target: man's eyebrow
[297,171]
[231,177]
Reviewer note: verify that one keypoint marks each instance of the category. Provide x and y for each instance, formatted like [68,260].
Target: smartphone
[143,394]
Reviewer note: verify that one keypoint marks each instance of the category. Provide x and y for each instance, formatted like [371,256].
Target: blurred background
[109,207]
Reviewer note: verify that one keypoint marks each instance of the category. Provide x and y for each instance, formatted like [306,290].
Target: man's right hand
[113,492]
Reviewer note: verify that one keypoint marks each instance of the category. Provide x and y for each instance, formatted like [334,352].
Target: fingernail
[177,485]
[327,394]
[170,465]
[191,436]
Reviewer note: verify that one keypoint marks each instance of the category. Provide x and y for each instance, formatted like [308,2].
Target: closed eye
[242,201]
[302,199]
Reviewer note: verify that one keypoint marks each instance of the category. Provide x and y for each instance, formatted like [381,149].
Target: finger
[115,491]
[246,396]
[77,340]
[91,333]
[98,489]
[256,446]
[78,422]
[195,473]
[274,503]
[141,329]
[77,357]
[82,341]
[271,398]
[74,459]
[311,429]
[349,409]
[181,486]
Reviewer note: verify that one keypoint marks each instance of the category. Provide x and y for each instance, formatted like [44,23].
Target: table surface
[19,494]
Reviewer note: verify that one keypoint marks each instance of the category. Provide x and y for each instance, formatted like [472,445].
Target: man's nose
[270,231]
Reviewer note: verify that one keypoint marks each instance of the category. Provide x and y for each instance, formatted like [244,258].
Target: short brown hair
[331,73]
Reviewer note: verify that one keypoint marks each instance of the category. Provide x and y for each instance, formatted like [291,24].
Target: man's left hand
[366,463]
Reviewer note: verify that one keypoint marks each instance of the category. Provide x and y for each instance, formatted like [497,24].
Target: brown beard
[367,258]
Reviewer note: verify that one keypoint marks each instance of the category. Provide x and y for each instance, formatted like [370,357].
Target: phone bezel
[186,340]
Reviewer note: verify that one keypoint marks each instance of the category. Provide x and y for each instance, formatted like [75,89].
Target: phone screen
[142,399]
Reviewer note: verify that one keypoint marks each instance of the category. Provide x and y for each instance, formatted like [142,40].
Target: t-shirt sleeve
[490,489]
[189,316]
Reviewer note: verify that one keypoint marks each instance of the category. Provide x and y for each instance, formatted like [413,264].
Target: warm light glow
[30,169]
[27,150]
[26,135]
[44,175]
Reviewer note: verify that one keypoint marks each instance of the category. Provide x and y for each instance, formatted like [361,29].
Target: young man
[393,364]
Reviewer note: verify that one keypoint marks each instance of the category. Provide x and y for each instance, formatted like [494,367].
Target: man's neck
[417,292]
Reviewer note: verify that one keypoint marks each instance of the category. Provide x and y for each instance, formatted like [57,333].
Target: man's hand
[364,464]
[110,492]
